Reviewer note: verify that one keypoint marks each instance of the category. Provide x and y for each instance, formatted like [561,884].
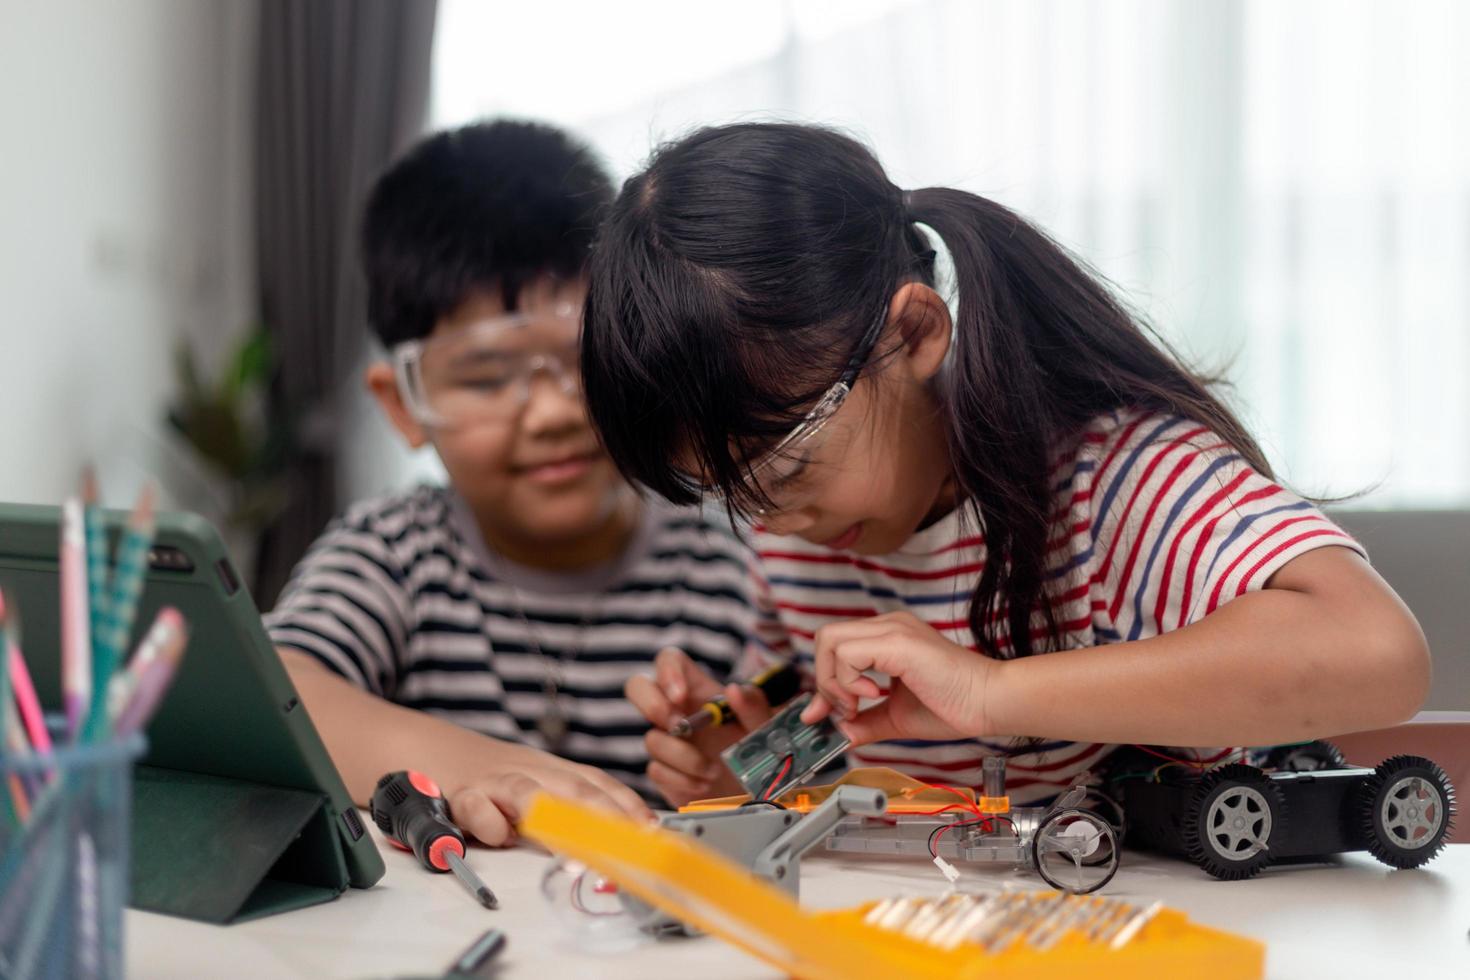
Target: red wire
[969,804]
[1193,763]
[945,809]
[785,768]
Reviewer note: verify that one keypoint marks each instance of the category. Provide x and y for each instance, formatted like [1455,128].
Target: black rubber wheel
[1406,809]
[1311,757]
[1231,820]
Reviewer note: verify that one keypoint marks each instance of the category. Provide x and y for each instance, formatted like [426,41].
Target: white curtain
[1283,189]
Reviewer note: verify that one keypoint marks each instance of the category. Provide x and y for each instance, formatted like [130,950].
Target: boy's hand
[488,783]
[488,806]
[687,769]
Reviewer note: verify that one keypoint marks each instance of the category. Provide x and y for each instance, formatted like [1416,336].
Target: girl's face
[869,478]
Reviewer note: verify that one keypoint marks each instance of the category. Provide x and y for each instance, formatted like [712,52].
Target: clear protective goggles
[484,372]
[779,471]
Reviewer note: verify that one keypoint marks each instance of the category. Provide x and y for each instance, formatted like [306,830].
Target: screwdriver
[780,683]
[409,809]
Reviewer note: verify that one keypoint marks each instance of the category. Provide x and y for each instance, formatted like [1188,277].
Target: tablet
[232,717]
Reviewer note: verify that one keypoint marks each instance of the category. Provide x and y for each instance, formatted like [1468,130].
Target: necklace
[552,726]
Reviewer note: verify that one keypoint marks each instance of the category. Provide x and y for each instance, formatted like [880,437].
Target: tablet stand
[225,850]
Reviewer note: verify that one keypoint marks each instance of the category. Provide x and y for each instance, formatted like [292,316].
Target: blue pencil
[97,579]
[127,586]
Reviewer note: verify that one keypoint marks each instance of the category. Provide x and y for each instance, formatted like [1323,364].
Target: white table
[1353,918]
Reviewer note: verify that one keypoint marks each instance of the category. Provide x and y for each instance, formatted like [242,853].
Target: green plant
[229,425]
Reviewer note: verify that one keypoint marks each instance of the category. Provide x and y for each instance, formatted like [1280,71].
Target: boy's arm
[487,782]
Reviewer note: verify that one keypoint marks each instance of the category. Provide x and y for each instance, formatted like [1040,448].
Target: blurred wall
[1425,556]
[124,225]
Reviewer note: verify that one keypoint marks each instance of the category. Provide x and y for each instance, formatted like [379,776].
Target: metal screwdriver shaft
[472,881]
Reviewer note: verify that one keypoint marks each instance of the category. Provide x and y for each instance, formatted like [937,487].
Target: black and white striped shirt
[402,597]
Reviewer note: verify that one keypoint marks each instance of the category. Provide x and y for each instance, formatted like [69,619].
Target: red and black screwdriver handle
[410,810]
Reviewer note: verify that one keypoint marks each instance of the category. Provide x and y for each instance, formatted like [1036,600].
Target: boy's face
[533,471]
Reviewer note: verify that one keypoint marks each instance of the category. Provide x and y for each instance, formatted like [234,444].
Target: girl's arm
[1326,647]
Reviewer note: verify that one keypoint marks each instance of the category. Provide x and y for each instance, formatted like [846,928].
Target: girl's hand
[937,687]
[687,769]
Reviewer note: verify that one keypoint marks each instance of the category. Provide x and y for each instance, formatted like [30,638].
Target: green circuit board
[784,752]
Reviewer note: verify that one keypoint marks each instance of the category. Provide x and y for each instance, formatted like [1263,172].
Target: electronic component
[1233,820]
[1072,848]
[1072,844]
[784,752]
[1011,935]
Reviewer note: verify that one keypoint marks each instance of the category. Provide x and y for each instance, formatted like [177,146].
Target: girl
[1042,533]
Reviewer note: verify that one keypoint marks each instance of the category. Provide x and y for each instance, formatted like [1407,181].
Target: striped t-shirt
[402,597]
[1156,523]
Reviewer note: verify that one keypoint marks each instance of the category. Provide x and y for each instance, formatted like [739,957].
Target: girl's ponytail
[1041,348]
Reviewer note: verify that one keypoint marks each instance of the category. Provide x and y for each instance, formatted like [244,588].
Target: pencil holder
[64,852]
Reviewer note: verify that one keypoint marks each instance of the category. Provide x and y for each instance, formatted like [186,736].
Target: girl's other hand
[937,688]
[687,769]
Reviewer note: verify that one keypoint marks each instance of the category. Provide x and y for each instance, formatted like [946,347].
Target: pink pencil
[25,698]
[166,625]
[76,618]
[152,682]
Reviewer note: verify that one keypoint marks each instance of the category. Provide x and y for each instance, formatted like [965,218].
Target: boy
[483,632]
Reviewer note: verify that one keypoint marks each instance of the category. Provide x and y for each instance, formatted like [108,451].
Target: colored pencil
[76,624]
[25,697]
[127,586]
[39,917]
[166,624]
[21,785]
[29,707]
[11,735]
[89,953]
[152,683]
[96,535]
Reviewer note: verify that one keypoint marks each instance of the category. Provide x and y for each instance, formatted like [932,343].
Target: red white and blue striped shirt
[1157,522]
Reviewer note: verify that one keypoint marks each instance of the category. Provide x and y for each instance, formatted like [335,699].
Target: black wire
[782,771]
[967,822]
[771,803]
[932,834]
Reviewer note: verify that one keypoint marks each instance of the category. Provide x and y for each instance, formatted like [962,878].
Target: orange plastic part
[905,794]
[437,849]
[994,804]
[423,783]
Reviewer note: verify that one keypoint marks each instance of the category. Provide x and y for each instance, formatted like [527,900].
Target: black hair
[494,205]
[731,283]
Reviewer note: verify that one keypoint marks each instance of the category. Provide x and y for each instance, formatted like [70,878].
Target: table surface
[1350,918]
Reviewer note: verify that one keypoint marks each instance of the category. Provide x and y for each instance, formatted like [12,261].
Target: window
[1282,189]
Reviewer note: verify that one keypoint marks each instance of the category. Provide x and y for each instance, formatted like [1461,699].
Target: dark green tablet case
[238,811]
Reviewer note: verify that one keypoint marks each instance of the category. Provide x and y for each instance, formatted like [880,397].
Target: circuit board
[784,752]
